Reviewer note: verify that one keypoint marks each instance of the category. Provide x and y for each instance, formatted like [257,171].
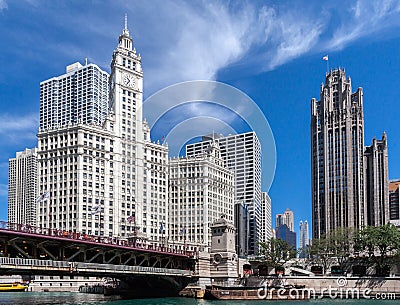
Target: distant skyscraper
[304,239]
[287,218]
[394,201]
[242,155]
[266,221]
[201,191]
[284,233]
[22,187]
[377,182]
[96,161]
[337,150]
[284,224]
[242,221]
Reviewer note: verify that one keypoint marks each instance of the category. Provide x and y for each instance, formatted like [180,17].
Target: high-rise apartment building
[394,201]
[78,96]
[201,191]
[22,187]
[304,239]
[96,160]
[337,150]
[266,220]
[241,154]
[287,218]
[377,182]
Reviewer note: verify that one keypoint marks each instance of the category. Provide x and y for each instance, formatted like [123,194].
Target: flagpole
[326,58]
[163,241]
[100,222]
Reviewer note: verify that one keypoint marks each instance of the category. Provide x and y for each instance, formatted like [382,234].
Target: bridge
[152,270]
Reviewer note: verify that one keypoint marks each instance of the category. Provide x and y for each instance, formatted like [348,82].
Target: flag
[96,209]
[325,58]
[182,231]
[45,196]
[161,227]
[131,218]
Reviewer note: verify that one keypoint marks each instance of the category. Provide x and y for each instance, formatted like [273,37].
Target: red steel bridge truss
[28,242]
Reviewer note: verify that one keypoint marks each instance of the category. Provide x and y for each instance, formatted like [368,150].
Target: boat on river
[13,287]
[255,288]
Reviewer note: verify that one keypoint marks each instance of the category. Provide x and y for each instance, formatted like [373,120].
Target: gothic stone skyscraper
[377,182]
[337,150]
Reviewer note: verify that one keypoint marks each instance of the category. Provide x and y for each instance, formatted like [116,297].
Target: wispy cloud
[200,41]
[3,5]
[3,190]
[185,40]
[203,39]
[18,128]
[365,18]
[17,123]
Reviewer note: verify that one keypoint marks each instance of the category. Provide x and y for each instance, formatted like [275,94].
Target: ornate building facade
[201,190]
[103,174]
[377,182]
[349,181]
[337,150]
[241,154]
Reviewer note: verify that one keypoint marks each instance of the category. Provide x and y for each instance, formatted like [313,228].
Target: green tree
[341,242]
[276,251]
[334,246]
[320,252]
[380,244]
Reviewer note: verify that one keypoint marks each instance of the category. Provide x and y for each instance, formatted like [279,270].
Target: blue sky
[271,50]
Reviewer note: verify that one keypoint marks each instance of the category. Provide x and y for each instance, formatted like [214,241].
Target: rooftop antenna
[85,61]
[126,21]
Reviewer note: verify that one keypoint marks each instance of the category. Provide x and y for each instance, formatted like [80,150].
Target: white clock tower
[142,186]
[126,96]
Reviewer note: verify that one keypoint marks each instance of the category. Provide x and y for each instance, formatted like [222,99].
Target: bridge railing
[127,268]
[33,262]
[77,266]
[24,228]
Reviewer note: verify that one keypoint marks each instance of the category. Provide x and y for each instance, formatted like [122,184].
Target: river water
[66,298]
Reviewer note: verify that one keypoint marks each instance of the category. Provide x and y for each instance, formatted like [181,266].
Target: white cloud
[3,5]
[17,123]
[295,37]
[18,128]
[365,18]
[200,41]
[205,39]
[3,190]
[183,41]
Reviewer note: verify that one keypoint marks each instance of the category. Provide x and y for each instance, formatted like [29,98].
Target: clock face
[128,80]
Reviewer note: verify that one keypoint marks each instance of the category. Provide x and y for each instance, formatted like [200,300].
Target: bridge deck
[30,232]
[49,267]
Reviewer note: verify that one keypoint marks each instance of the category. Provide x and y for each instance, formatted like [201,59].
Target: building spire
[126,22]
[125,31]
